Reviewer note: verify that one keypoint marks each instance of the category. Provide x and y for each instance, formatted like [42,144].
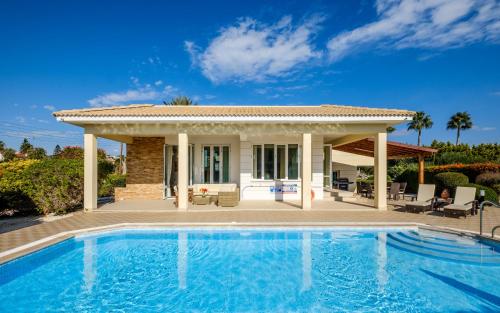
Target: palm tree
[183,100]
[420,121]
[459,121]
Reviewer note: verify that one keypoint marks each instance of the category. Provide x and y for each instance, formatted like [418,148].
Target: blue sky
[439,56]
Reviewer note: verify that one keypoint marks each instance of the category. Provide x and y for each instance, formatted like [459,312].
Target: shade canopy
[395,150]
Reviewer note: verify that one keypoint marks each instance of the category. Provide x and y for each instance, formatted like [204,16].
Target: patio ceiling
[395,150]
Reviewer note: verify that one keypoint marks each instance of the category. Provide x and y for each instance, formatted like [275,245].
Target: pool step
[476,253]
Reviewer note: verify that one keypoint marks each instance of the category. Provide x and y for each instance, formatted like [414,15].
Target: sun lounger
[425,199]
[463,203]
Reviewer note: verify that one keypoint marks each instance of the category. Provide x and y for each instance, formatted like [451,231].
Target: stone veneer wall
[144,170]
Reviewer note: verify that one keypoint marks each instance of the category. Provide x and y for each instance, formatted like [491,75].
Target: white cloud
[158,83]
[144,93]
[254,51]
[484,128]
[49,107]
[428,24]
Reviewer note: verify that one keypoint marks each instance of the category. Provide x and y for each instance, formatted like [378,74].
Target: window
[293,161]
[225,165]
[216,160]
[257,162]
[206,164]
[275,161]
[268,161]
[280,161]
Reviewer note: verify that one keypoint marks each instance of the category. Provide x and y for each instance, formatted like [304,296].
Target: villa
[269,152]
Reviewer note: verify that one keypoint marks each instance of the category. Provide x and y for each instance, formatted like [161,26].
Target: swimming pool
[257,270]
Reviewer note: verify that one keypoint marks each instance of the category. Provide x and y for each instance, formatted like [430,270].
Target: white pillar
[306,171]
[380,171]
[182,181]
[90,172]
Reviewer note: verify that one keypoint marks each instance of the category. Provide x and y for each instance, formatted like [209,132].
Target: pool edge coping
[34,246]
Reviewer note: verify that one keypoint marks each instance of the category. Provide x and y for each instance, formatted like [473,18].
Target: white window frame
[211,163]
[299,152]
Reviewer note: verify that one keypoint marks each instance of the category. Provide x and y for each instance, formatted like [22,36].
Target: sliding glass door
[327,166]
[170,166]
[216,160]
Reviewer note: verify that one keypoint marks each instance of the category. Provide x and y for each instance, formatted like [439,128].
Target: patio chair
[393,191]
[367,190]
[402,189]
[425,199]
[359,188]
[464,202]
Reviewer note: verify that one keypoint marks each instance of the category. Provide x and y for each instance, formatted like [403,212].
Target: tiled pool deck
[19,234]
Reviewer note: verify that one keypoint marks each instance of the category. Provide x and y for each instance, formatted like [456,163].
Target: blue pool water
[266,270]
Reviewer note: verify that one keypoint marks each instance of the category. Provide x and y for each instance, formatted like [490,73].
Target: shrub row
[410,175]
[49,185]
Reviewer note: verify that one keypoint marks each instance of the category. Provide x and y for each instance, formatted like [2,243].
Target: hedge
[489,194]
[107,186]
[470,170]
[488,179]
[450,181]
[410,175]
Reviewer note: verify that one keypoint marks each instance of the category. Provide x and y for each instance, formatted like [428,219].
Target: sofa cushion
[213,189]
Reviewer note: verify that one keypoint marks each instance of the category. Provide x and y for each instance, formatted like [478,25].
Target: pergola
[395,150]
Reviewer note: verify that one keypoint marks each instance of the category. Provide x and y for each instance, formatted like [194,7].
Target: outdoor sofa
[223,194]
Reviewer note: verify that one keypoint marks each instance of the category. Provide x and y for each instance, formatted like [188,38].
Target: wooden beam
[421,166]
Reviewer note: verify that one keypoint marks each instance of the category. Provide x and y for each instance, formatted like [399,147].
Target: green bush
[50,185]
[496,187]
[410,176]
[450,181]
[396,168]
[488,179]
[55,186]
[489,194]
[12,182]
[457,157]
[107,186]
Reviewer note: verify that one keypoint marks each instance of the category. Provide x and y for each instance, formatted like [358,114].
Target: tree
[183,100]
[9,154]
[390,129]
[420,121]
[459,121]
[57,150]
[2,146]
[37,154]
[26,146]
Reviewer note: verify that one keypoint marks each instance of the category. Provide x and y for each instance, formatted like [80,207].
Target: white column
[90,172]
[182,181]
[306,171]
[380,171]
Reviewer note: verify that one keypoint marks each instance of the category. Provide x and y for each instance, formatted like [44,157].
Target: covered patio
[395,150]
[275,154]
